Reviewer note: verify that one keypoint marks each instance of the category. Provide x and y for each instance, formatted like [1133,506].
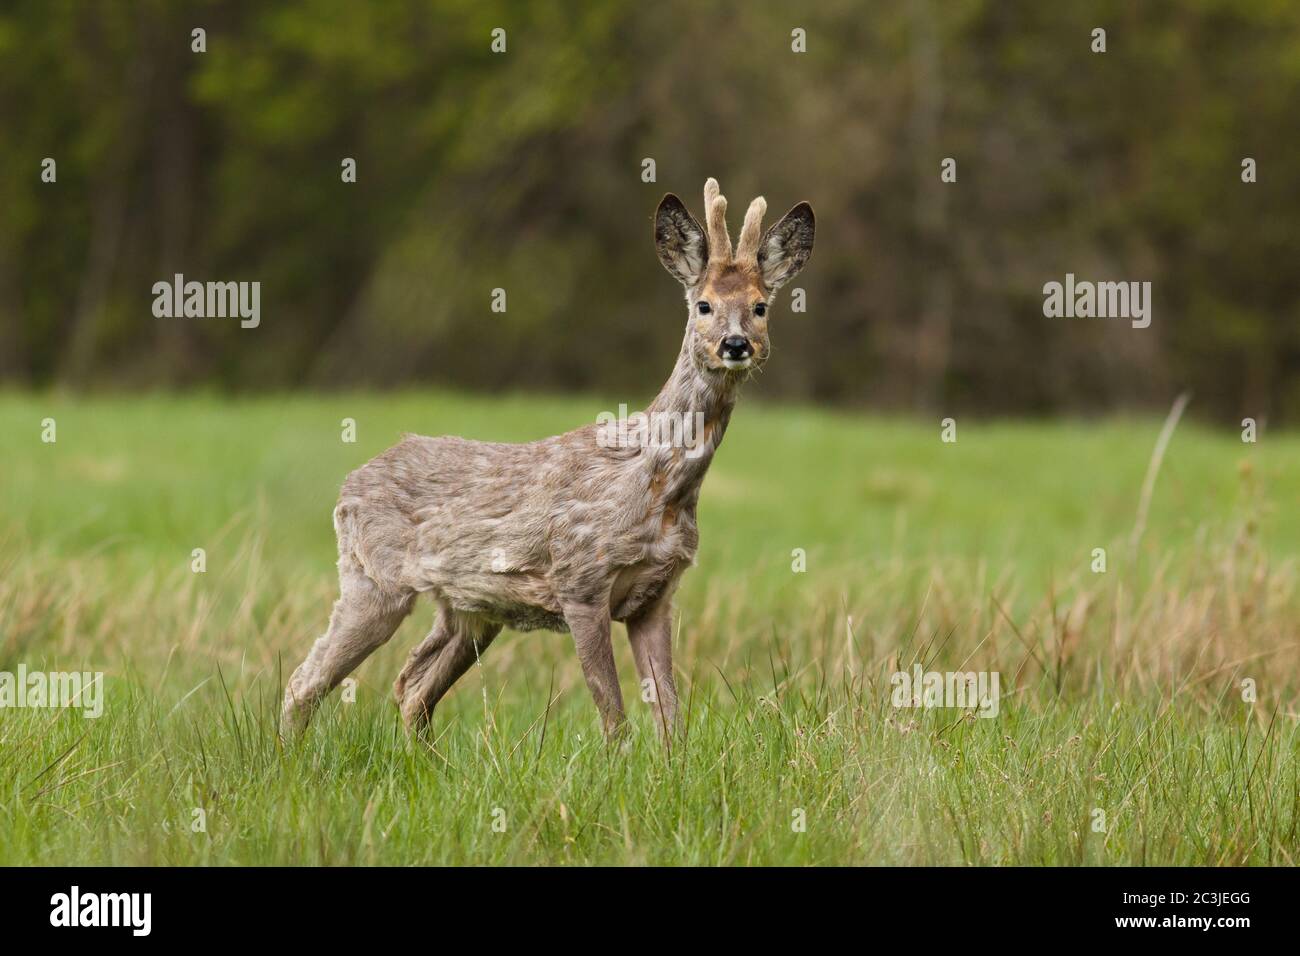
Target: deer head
[729,294]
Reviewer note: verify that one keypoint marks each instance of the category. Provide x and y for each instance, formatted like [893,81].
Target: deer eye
[704,308]
[760,310]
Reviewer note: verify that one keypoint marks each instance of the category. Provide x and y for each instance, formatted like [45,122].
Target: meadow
[1148,712]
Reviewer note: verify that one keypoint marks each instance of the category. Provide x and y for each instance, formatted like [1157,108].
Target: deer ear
[680,242]
[786,246]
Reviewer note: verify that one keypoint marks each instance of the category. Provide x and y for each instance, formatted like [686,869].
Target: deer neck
[698,403]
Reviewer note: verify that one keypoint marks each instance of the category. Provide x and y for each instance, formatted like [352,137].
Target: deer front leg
[589,624]
[651,637]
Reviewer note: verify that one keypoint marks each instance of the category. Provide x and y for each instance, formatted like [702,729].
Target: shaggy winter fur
[560,533]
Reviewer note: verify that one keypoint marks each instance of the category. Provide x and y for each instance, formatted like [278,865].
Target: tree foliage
[522,170]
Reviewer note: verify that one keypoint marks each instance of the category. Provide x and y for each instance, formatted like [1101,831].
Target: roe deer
[565,533]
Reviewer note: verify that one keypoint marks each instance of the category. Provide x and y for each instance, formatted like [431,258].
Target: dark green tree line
[522,171]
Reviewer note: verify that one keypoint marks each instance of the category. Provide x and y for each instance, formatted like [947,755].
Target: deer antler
[715,213]
[752,232]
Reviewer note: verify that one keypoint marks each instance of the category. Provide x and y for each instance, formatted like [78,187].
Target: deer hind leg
[437,662]
[364,617]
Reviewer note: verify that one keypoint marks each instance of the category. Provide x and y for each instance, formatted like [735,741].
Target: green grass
[1121,692]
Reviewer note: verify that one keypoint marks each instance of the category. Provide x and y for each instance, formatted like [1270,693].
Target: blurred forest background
[522,171]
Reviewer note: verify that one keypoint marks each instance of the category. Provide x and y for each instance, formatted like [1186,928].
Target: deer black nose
[736,348]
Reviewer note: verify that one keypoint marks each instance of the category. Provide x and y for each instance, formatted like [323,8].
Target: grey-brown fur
[560,533]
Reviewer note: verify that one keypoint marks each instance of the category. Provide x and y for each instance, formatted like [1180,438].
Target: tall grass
[1122,735]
